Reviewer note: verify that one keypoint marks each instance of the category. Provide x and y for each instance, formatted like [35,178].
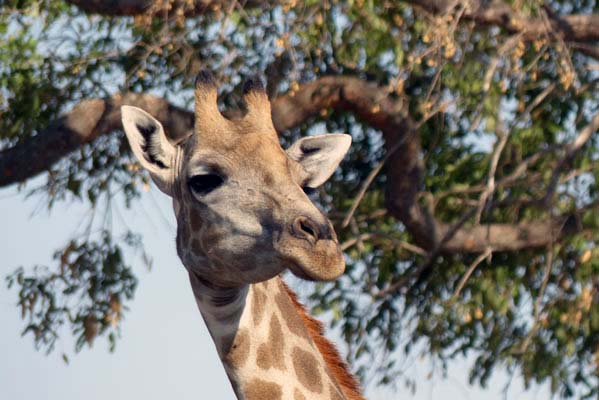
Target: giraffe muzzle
[312,251]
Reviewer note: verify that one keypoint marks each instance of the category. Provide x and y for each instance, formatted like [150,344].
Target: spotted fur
[337,367]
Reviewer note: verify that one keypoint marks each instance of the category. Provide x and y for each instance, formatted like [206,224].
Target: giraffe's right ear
[150,146]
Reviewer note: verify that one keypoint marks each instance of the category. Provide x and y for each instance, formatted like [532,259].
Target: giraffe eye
[204,184]
[311,192]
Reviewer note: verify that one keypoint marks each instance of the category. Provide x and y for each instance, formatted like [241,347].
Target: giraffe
[243,217]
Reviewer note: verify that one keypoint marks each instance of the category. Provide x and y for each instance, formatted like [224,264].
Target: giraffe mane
[338,368]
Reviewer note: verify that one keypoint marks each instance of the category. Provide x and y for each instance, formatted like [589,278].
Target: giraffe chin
[317,265]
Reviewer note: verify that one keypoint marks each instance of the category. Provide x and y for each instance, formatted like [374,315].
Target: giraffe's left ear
[320,155]
[150,146]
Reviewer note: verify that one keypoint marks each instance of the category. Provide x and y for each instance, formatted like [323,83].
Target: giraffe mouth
[311,257]
[299,272]
[317,265]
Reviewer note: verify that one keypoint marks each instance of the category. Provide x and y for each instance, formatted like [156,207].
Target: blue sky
[165,350]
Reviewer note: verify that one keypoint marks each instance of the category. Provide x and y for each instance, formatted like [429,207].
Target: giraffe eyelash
[204,184]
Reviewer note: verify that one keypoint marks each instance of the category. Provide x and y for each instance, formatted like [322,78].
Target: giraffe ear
[320,155]
[150,146]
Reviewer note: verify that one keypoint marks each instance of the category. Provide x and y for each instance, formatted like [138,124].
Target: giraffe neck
[265,345]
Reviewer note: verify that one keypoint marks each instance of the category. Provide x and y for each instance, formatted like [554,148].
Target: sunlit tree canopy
[468,204]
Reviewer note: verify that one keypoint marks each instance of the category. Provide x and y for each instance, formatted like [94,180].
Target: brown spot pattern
[194,219]
[226,342]
[306,369]
[182,234]
[270,354]
[297,395]
[268,179]
[263,390]
[239,351]
[196,247]
[332,359]
[289,313]
[258,303]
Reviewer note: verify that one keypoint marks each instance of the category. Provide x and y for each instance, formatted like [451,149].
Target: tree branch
[368,101]
[571,149]
[137,7]
[571,28]
[576,28]
[84,123]
[405,173]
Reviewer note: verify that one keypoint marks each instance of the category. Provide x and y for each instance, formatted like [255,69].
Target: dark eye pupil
[204,184]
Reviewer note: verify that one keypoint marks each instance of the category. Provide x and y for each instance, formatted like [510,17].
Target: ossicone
[253,84]
[256,101]
[204,78]
[208,118]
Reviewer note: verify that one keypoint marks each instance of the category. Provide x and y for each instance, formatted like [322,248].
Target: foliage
[87,291]
[533,312]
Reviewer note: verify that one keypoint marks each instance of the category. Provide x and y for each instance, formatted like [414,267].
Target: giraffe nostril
[305,228]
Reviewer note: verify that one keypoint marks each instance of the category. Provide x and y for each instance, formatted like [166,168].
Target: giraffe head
[242,211]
